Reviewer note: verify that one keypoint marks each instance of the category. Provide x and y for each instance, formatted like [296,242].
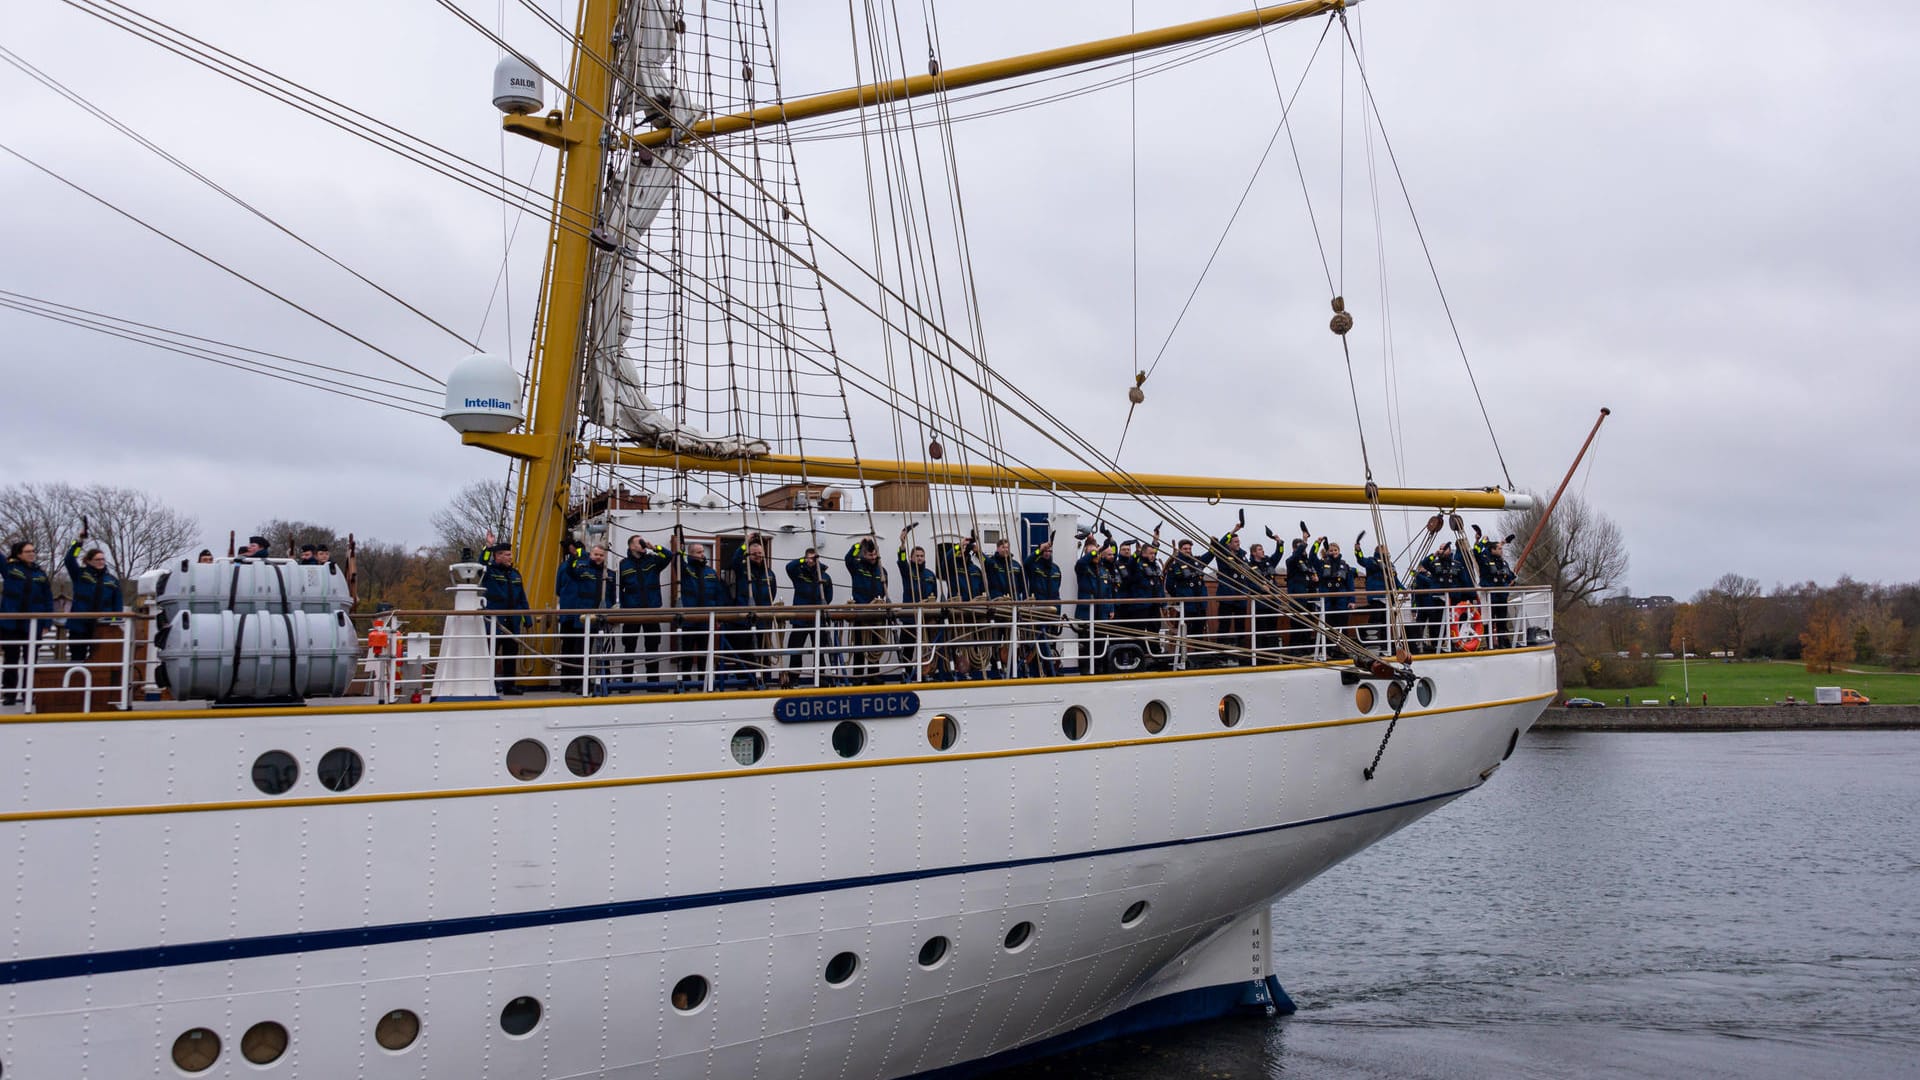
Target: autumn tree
[1731,603]
[1828,640]
[1685,633]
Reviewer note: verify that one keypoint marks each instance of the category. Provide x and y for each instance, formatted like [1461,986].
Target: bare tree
[285,538]
[1731,604]
[137,531]
[1581,553]
[477,509]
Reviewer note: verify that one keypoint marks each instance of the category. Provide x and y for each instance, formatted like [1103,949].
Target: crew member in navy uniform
[755,585]
[1186,578]
[256,548]
[1431,578]
[1378,569]
[1303,587]
[95,589]
[1043,583]
[918,585]
[1006,581]
[1143,582]
[1336,587]
[504,591]
[590,586]
[1496,574]
[640,591]
[959,567]
[1233,581]
[812,587]
[1096,580]
[700,587]
[1265,609]
[27,592]
[306,556]
[868,582]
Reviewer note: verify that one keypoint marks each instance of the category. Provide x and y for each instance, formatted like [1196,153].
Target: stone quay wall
[1733,718]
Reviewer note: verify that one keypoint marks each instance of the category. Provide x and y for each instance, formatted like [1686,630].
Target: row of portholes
[1076,722]
[1365,698]
[275,771]
[264,1043]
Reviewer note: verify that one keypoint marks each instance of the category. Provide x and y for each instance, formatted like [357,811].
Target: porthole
[1231,710]
[689,994]
[339,769]
[1135,912]
[585,755]
[748,746]
[397,1029]
[1396,696]
[849,738]
[526,759]
[840,969]
[934,952]
[1511,743]
[1018,936]
[264,1042]
[275,771]
[521,1015]
[942,732]
[1075,722]
[1424,691]
[1154,717]
[1363,697]
[196,1050]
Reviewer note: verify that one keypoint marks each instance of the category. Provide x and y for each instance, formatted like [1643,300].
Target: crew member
[306,556]
[1042,576]
[1006,581]
[1234,581]
[640,591]
[1336,587]
[1096,580]
[590,586]
[504,591]
[1380,577]
[700,587]
[1186,578]
[959,567]
[1495,574]
[812,587]
[755,585]
[918,585]
[1303,585]
[26,591]
[95,589]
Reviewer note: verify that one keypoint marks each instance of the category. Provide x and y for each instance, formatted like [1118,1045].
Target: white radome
[483,395]
[517,88]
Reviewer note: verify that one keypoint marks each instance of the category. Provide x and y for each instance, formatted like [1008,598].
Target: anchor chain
[1404,679]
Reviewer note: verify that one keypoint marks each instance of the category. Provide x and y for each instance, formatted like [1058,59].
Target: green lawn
[1758,682]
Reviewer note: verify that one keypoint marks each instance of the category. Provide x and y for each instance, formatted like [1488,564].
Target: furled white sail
[640,184]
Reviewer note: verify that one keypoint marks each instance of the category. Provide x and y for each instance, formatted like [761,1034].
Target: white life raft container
[251,585]
[256,656]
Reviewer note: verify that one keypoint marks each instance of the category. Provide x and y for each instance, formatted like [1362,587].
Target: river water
[1611,904]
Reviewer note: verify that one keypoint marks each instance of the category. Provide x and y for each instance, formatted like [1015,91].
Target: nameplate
[800,710]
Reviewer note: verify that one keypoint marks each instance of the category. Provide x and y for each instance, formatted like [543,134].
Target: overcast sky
[1702,215]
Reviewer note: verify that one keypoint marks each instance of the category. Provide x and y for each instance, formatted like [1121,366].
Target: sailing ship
[889,866]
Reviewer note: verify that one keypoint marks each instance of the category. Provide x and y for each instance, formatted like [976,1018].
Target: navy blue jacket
[868,579]
[1006,578]
[1186,575]
[93,590]
[1377,569]
[1142,579]
[1494,571]
[640,577]
[1096,579]
[811,586]
[961,571]
[1303,571]
[504,592]
[754,585]
[700,584]
[1336,580]
[1043,578]
[26,591]
[1233,575]
[916,583]
[582,584]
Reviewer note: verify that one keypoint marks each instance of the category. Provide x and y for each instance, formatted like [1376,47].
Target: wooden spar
[1568,479]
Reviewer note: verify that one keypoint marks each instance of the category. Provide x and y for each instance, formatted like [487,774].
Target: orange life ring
[1467,627]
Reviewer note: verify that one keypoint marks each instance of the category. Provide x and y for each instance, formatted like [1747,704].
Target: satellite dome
[483,394]
[517,87]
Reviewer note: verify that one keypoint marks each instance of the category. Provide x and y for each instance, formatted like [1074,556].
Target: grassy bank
[1759,683]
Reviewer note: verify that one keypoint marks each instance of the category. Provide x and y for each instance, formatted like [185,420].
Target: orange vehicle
[1840,695]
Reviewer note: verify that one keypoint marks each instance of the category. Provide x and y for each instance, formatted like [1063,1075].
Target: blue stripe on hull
[207,952]
[1185,1007]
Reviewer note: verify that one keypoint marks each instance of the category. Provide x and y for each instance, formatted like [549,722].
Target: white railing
[677,650]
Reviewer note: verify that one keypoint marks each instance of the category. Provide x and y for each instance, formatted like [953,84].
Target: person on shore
[26,591]
[503,590]
[640,592]
[812,587]
[95,590]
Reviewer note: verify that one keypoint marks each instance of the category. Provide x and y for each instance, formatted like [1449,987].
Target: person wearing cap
[306,556]
[1432,576]
[1186,577]
[812,587]
[24,590]
[590,587]
[1380,577]
[640,591]
[256,548]
[206,555]
[700,587]
[1006,582]
[95,590]
[1096,581]
[1490,554]
[1234,580]
[1336,586]
[918,585]
[966,581]
[1303,588]
[321,555]
[755,585]
[504,591]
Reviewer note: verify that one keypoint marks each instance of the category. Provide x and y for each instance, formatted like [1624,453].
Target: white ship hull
[156,891]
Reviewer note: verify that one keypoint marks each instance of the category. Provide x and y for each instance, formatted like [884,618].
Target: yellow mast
[554,381]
